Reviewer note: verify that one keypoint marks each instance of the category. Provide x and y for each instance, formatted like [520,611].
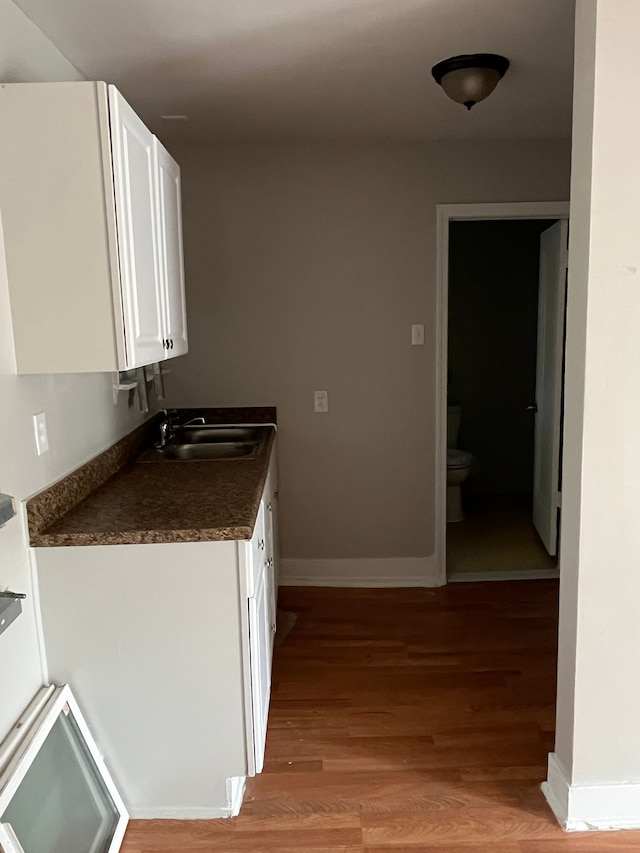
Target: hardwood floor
[405,721]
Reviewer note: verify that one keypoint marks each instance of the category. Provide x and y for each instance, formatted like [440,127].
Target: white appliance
[56,795]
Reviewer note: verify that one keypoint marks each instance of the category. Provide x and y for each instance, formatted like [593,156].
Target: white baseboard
[515,575]
[235,794]
[179,813]
[556,789]
[368,572]
[590,807]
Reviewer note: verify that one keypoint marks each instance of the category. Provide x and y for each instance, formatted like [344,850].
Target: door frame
[447,213]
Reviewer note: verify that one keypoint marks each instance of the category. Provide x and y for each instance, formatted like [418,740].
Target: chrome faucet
[166,431]
[169,424]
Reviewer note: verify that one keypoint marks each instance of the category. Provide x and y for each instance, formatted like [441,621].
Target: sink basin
[209,444]
[209,434]
[202,452]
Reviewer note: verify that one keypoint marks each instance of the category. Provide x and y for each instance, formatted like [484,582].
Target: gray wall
[82,419]
[306,265]
[493,318]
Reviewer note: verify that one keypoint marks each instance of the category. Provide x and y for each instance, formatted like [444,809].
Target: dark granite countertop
[112,500]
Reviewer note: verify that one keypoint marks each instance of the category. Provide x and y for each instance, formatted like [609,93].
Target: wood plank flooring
[412,721]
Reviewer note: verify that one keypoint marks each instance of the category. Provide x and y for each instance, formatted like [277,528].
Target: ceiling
[320,68]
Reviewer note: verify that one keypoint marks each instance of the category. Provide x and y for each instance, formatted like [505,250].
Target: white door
[171,255]
[136,216]
[552,296]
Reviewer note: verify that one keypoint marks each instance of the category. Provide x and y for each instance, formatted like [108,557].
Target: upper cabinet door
[135,195]
[171,254]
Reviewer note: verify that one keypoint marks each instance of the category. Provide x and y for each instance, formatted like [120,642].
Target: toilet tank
[454,416]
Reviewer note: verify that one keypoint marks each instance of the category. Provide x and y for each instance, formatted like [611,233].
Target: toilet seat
[458,458]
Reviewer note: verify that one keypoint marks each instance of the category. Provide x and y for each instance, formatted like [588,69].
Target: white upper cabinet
[90,206]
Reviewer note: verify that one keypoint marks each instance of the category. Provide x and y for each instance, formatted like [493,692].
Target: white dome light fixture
[471,77]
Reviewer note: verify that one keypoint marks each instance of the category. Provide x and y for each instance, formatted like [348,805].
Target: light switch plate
[417,335]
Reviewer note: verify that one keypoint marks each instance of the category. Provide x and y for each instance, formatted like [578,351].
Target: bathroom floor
[497,535]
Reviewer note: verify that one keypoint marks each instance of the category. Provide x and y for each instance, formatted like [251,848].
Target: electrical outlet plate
[40,429]
[320,401]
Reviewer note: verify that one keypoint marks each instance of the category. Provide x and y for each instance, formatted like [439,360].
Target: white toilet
[458,465]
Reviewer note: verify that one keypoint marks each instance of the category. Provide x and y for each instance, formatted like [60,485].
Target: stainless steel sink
[209,434]
[210,444]
[202,452]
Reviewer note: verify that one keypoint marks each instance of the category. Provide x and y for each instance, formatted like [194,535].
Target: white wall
[81,417]
[306,265]
[594,775]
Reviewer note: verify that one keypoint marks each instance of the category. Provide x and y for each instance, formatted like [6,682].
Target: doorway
[489,324]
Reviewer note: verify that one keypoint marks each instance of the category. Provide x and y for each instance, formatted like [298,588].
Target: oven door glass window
[60,798]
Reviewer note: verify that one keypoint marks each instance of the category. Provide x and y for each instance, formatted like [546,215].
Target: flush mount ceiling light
[471,77]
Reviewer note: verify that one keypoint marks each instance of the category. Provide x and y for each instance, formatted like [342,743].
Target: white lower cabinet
[168,648]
